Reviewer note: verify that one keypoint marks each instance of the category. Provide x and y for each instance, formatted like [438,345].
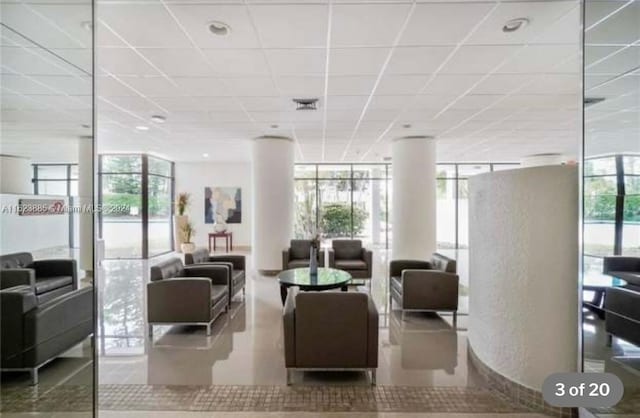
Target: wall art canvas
[223,205]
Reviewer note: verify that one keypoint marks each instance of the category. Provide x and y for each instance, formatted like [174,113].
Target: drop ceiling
[380,70]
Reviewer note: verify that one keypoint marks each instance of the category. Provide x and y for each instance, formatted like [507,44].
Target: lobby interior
[495,143]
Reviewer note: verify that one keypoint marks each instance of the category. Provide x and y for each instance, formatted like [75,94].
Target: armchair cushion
[347,249]
[351,265]
[54,268]
[300,249]
[17,277]
[621,263]
[219,274]
[397,266]
[52,283]
[294,264]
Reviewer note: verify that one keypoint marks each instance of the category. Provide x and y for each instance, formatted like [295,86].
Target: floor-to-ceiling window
[136,192]
[354,201]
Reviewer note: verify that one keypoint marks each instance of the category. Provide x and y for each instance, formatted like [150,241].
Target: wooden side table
[228,240]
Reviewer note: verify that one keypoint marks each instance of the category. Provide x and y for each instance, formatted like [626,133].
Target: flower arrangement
[182,202]
[188,232]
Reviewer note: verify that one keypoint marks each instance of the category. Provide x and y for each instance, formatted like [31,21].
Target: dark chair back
[442,263]
[167,269]
[300,249]
[347,249]
[15,260]
[200,255]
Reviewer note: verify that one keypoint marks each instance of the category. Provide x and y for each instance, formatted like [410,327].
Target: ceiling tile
[367,24]
[357,61]
[290,26]
[123,61]
[296,61]
[178,62]
[350,85]
[417,60]
[401,84]
[237,62]
[478,59]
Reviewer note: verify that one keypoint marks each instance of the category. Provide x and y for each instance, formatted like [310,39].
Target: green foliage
[336,219]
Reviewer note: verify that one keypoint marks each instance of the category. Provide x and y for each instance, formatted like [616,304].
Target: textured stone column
[414,197]
[272,169]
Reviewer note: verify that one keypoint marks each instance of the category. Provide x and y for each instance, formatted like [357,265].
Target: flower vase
[313,262]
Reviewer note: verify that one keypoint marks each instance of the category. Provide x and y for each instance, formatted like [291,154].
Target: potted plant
[188,232]
[180,219]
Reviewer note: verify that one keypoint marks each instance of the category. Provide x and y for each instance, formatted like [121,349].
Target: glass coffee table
[598,283]
[327,278]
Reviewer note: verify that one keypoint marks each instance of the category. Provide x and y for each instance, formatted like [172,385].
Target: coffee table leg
[344,288]
[283,293]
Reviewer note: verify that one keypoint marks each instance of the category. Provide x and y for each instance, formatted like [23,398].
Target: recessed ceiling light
[142,128]
[205,155]
[406,126]
[158,118]
[515,24]
[85,126]
[274,126]
[219,28]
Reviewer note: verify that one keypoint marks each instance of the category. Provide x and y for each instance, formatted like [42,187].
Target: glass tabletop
[326,277]
[602,280]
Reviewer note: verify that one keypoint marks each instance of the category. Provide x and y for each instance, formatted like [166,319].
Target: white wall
[193,177]
[15,175]
[31,233]
[523,271]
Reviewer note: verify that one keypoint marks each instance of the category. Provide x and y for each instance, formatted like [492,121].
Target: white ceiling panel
[401,84]
[290,26]
[296,61]
[417,60]
[351,85]
[367,24]
[179,62]
[357,61]
[479,59]
[125,61]
[540,58]
[238,62]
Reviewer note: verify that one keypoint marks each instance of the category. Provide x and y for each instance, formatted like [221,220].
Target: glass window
[600,208]
[600,185]
[375,171]
[305,209]
[501,167]
[600,166]
[159,166]
[632,184]
[121,164]
[463,213]
[446,171]
[305,171]
[446,212]
[370,211]
[159,235]
[122,216]
[52,188]
[631,164]
[74,172]
[467,170]
[342,171]
[335,209]
[52,172]
[599,238]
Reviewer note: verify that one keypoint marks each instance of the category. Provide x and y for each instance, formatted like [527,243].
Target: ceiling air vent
[306,104]
[590,101]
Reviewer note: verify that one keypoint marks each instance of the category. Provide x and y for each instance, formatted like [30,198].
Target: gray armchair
[297,255]
[430,286]
[235,263]
[186,295]
[622,319]
[349,255]
[625,268]
[330,331]
[49,278]
[34,333]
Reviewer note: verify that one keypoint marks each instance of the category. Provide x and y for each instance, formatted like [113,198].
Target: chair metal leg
[208,329]
[151,332]
[33,376]
[609,340]
[373,377]
[289,379]
[455,319]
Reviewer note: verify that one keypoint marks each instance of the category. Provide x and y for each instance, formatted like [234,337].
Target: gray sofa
[625,268]
[298,254]
[186,295]
[622,319]
[35,332]
[236,265]
[349,255]
[330,331]
[424,285]
[49,278]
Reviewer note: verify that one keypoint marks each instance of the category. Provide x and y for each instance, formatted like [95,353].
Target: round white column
[414,197]
[84,201]
[523,269]
[272,169]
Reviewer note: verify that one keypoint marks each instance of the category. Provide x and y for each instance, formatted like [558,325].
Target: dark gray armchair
[34,333]
[424,285]
[298,253]
[49,278]
[330,331]
[625,268]
[349,255]
[186,295]
[235,263]
[622,319]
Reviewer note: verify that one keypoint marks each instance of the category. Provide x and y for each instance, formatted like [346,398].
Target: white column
[15,175]
[414,197]
[523,269]
[273,188]
[84,201]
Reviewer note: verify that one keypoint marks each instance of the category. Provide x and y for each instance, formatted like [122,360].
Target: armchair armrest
[397,266]
[429,289]
[218,274]
[238,261]
[332,257]
[286,256]
[367,256]
[621,263]
[14,304]
[17,277]
[372,337]
[59,315]
[289,324]
[179,300]
[61,267]
[623,302]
